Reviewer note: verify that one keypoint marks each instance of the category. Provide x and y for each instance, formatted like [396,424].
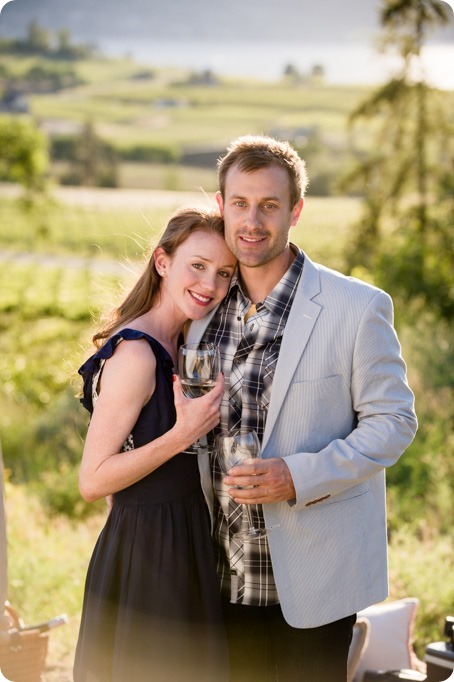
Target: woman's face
[197,276]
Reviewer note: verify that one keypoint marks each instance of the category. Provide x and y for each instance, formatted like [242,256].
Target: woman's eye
[224,273]
[197,266]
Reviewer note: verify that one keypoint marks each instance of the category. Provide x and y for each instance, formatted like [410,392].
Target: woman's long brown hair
[144,293]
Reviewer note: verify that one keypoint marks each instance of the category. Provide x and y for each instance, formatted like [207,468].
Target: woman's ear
[161,261]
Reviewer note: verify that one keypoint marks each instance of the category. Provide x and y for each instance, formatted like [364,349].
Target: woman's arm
[128,382]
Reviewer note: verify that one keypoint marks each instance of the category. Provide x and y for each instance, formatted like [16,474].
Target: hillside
[259,19]
[326,21]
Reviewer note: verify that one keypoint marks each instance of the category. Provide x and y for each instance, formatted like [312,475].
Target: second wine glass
[231,450]
[198,367]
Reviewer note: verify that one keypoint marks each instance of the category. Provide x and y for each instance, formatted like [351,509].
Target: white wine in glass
[195,388]
[198,367]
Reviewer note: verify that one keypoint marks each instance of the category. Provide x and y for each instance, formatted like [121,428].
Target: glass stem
[250,523]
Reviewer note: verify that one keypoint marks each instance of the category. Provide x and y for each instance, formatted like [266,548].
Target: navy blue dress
[152,607]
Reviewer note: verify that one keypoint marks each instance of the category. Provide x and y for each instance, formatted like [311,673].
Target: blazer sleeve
[383,414]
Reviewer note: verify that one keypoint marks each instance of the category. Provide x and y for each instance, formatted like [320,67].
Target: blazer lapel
[302,318]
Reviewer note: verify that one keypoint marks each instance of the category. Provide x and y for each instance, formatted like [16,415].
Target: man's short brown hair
[253,152]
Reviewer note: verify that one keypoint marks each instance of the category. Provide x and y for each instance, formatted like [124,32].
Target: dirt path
[99,266]
[108,198]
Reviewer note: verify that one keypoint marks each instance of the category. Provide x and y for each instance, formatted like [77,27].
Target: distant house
[318,72]
[14,102]
[206,77]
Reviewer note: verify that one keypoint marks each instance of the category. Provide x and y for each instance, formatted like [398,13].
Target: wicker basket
[22,653]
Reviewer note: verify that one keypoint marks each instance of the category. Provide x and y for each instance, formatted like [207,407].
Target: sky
[255,38]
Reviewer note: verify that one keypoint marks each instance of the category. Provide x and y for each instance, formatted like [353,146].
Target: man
[312,363]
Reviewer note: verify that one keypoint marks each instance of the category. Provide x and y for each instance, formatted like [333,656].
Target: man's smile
[251,240]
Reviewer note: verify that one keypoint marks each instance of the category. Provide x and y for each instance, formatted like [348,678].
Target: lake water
[343,64]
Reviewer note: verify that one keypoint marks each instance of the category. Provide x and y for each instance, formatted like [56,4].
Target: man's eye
[269,207]
[240,204]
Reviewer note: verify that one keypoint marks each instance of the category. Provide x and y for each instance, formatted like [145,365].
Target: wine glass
[198,366]
[231,450]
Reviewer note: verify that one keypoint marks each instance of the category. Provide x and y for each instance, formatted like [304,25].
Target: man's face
[257,214]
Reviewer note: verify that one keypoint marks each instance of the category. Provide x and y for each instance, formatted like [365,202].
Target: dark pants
[264,648]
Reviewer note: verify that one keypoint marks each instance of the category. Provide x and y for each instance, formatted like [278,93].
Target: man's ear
[220,202]
[296,212]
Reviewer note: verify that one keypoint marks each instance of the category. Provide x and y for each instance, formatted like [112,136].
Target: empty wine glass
[198,366]
[231,450]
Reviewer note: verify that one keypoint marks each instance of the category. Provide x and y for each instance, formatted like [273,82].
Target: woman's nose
[208,282]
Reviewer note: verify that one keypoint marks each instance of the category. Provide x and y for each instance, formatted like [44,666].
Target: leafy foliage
[94,163]
[406,229]
[44,321]
[23,153]
[40,41]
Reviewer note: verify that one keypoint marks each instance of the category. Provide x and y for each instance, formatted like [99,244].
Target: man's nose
[252,218]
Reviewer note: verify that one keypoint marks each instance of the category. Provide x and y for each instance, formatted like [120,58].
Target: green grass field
[125,232]
[167,108]
[132,106]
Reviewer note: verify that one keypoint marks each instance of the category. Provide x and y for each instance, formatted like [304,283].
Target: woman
[151,607]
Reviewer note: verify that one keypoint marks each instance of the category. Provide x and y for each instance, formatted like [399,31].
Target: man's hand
[270,478]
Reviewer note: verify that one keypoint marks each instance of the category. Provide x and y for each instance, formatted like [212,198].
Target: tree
[403,237]
[37,37]
[23,154]
[95,163]
[291,71]
[63,41]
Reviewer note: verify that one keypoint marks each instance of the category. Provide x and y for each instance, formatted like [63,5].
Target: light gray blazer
[340,412]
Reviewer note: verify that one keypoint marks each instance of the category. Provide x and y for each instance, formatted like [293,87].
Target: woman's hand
[197,416]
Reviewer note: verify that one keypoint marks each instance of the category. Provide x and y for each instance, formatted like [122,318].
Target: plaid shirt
[249,353]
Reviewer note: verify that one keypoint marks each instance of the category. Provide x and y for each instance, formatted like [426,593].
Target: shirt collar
[287,284]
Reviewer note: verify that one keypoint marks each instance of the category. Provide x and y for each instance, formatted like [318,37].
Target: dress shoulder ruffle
[92,366]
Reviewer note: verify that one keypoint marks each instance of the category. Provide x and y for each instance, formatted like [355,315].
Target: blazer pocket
[318,393]
[319,382]
[315,412]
